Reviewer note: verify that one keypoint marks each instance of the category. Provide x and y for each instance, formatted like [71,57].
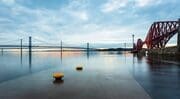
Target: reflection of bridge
[159,34]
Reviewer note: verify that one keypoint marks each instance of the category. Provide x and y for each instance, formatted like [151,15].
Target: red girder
[159,34]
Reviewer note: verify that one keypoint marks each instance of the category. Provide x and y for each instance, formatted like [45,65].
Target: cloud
[5,20]
[119,5]
[100,33]
[113,5]
[143,3]
[77,10]
[79,21]
[41,21]
[8,2]
[79,15]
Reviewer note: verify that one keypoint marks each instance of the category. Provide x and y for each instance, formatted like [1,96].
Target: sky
[77,21]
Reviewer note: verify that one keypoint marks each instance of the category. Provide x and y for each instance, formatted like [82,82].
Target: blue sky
[94,21]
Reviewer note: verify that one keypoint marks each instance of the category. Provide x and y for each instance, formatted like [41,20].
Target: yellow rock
[58,75]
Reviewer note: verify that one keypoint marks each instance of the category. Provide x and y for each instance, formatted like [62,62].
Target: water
[102,71]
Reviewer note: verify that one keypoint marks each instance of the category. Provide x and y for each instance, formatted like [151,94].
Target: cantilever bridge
[159,34]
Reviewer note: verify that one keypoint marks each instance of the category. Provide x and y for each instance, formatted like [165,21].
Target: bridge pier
[30,50]
[87,47]
[87,50]
[178,37]
[61,50]
[124,46]
[61,47]
[21,47]
[21,50]
[30,44]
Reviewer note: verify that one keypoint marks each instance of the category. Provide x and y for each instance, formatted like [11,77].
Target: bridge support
[21,46]
[30,44]
[87,47]
[178,39]
[21,50]
[88,50]
[124,46]
[61,46]
[61,50]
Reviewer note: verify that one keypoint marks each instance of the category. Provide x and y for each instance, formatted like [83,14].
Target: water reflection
[139,57]
[87,54]
[133,65]
[21,58]
[158,75]
[79,70]
[58,82]
[124,56]
[21,55]
[61,56]
[30,60]
[2,52]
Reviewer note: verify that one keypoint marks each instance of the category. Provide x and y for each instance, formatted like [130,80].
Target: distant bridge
[39,44]
[30,46]
[39,47]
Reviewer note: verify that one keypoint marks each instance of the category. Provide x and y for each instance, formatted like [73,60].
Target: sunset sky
[94,21]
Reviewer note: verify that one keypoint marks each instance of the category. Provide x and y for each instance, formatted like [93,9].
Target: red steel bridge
[159,34]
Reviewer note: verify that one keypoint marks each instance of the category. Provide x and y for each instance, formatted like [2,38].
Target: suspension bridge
[47,45]
[30,43]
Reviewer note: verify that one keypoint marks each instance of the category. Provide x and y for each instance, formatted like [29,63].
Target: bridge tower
[61,47]
[87,47]
[30,50]
[178,37]
[30,45]
[21,46]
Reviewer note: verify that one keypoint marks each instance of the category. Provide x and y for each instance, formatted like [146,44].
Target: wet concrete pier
[94,85]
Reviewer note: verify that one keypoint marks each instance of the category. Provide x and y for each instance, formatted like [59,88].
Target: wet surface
[105,75]
[160,76]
